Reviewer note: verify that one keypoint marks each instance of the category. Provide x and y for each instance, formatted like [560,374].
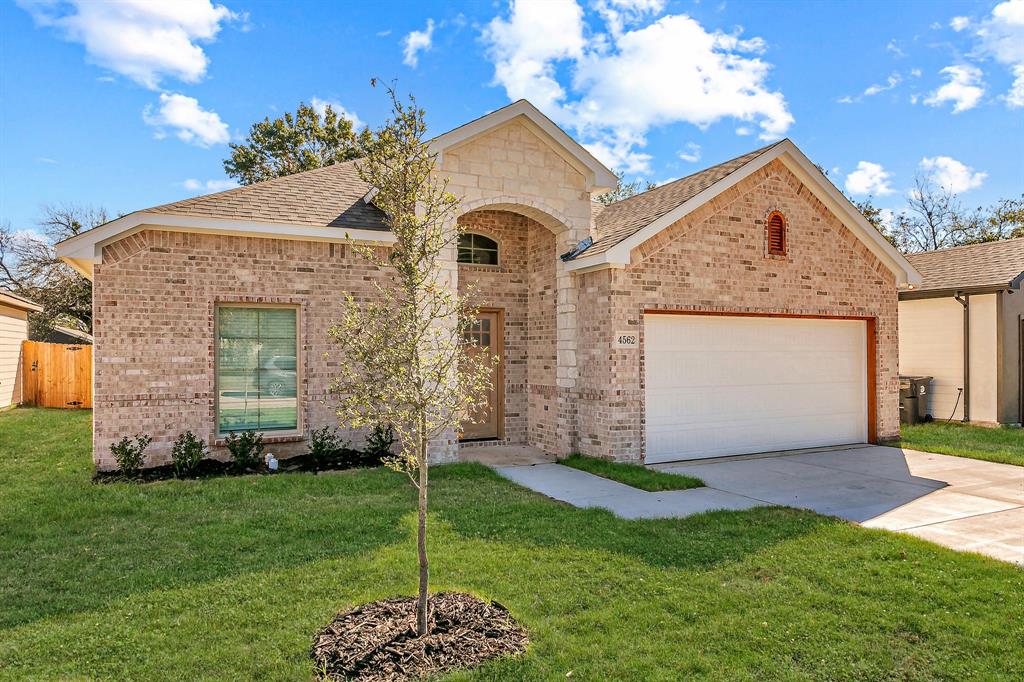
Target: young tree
[403,358]
[624,190]
[30,268]
[293,143]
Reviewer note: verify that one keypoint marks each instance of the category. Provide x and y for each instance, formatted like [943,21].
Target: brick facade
[566,387]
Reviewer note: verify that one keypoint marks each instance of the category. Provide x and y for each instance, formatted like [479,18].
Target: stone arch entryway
[533,295]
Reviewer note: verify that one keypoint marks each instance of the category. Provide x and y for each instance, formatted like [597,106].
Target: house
[965,327]
[14,312]
[748,307]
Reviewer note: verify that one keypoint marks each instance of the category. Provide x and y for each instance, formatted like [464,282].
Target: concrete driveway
[965,504]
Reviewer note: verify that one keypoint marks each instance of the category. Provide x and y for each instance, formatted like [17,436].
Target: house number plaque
[627,339]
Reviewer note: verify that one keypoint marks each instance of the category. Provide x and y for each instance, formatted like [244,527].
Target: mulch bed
[377,641]
[212,468]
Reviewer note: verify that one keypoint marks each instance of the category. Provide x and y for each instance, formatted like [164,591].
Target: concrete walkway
[965,504]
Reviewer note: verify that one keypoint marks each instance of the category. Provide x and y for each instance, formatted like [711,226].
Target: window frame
[497,250]
[272,434]
[784,229]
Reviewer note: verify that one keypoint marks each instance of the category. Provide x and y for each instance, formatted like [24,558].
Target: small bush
[186,454]
[378,444]
[245,448]
[325,446]
[129,454]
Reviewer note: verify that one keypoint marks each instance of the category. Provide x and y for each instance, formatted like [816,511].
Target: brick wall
[523,286]
[716,260]
[154,298]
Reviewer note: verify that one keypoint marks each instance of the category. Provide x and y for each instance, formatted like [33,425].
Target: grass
[1003,445]
[633,475]
[229,578]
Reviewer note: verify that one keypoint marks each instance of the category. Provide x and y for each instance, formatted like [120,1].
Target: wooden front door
[487,336]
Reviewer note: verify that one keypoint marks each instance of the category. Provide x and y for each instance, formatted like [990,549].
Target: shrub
[378,444]
[130,455]
[245,448]
[325,446]
[186,454]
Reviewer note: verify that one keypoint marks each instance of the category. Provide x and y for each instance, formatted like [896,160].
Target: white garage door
[720,386]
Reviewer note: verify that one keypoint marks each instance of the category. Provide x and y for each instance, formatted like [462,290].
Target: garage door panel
[719,385]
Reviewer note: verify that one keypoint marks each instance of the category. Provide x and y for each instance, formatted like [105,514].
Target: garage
[718,385]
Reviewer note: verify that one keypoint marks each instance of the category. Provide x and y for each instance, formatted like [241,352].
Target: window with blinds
[776,234]
[257,368]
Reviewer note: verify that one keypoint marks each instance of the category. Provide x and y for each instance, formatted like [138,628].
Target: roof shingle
[992,264]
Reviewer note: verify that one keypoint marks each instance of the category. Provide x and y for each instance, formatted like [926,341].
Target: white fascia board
[83,251]
[808,173]
[600,179]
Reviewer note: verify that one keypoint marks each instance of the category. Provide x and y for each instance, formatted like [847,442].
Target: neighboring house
[745,308]
[965,327]
[14,312]
[67,335]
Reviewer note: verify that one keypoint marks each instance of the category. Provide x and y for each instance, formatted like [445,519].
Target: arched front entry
[518,300]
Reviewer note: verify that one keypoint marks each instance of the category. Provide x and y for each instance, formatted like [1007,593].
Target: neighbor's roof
[19,302]
[324,197]
[992,264]
[621,219]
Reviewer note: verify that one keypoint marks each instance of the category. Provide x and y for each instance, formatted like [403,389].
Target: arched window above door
[477,249]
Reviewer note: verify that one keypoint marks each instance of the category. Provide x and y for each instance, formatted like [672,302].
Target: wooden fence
[57,374]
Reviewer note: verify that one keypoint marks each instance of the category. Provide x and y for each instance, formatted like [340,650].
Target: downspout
[965,301]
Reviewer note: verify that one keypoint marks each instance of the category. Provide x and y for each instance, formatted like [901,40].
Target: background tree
[402,356]
[1003,220]
[624,189]
[293,143]
[29,267]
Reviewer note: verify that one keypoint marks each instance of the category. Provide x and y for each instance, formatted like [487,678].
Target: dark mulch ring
[213,468]
[378,642]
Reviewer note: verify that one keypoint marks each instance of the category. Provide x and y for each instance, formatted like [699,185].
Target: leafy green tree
[1002,220]
[402,355]
[624,190]
[30,268]
[293,143]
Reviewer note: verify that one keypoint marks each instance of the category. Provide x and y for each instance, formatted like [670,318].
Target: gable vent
[776,234]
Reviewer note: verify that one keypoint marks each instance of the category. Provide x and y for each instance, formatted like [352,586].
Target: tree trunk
[421,540]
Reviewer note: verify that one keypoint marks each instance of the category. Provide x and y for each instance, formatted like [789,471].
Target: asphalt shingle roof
[324,197]
[622,219]
[977,265]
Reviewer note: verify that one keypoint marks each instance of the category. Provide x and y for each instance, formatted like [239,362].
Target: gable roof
[622,226]
[625,217]
[992,265]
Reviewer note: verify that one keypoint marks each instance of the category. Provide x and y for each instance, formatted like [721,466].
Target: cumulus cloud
[951,174]
[193,185]
[964,88]
[959,23]
[869,178]
[613,87]
[690,153]
[320,106]
[1001,37]
[141,40]
[191,123]
[415,42]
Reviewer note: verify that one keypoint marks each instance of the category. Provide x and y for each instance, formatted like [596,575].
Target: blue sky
[131,105]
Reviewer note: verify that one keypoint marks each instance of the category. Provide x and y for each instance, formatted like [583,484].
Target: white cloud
[191,122]
[619,13]
[869,178]
[691,153]
[891,82]
[619,154]
[951,174]
[964,88]
[142,40]
[959,23]
[383,34]
[193,185]
[743,131]
[415,42]
[893,46]
[1001,36]
[320,105]
[612,88]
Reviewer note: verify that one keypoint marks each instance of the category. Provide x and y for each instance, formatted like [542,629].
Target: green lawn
[964,440]
[632,474]
[228,578]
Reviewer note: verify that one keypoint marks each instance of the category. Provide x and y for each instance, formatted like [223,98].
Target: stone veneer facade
[567,388]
